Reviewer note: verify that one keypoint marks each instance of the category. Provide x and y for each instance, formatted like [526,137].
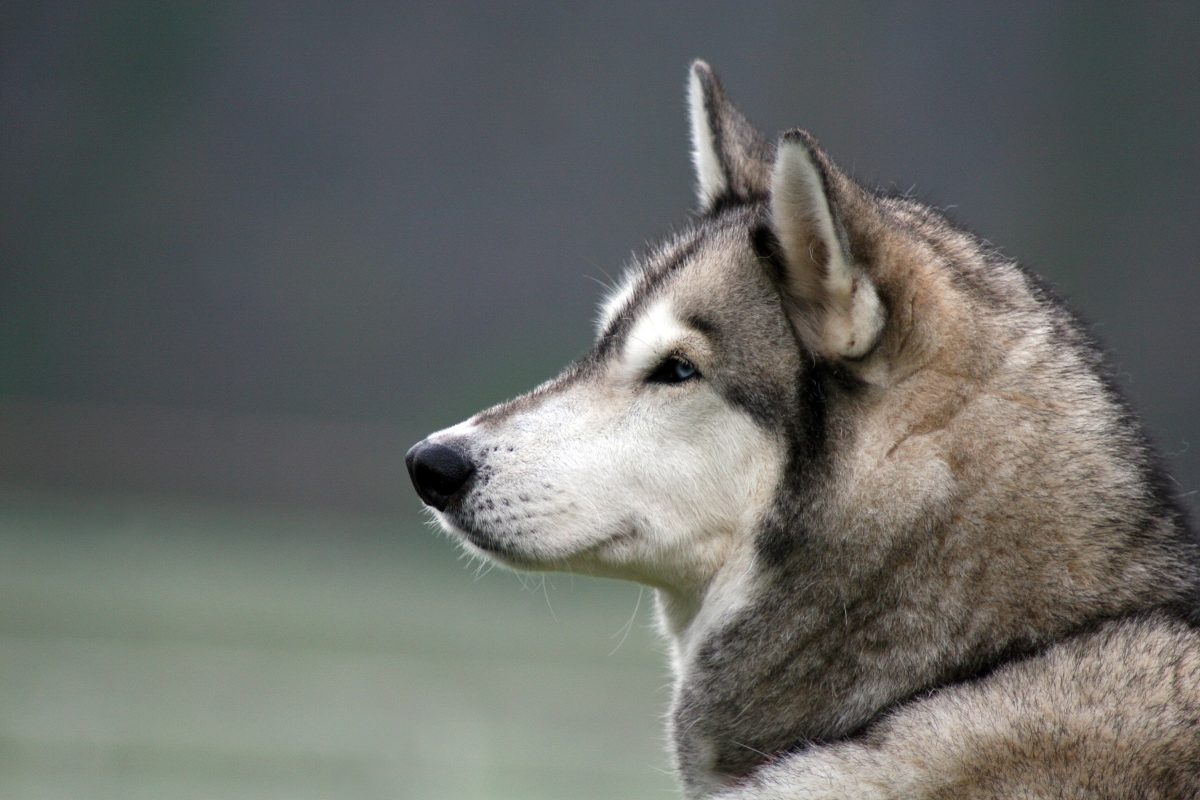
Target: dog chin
[587,559]
[484,545]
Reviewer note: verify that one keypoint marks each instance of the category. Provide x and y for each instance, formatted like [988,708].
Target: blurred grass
[154,649]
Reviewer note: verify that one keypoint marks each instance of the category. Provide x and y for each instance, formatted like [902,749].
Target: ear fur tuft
[837,308]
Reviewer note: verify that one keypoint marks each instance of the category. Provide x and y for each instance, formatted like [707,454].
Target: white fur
[462,430]
[651,339]
[710,178]
[617,299]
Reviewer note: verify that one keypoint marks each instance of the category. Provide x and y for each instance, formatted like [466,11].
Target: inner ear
[835,305]
[732,160]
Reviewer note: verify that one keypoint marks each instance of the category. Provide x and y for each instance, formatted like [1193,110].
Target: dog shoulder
[1114,713]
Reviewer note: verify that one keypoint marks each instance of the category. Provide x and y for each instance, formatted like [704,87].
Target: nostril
[438,472]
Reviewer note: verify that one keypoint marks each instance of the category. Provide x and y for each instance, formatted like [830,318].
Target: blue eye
[673,370]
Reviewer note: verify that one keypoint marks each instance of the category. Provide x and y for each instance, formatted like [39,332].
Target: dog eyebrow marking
[643,283]
[655,333]
[617,299]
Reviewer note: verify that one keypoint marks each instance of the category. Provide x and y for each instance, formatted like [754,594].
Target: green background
[174,650]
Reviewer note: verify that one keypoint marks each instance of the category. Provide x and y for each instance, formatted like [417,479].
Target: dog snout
[438,472]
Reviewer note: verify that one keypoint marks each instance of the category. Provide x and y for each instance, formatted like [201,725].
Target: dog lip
[477,538]
[501,552]
[515,557]
[485,543]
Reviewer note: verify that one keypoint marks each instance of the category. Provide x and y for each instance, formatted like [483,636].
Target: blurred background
[250,252]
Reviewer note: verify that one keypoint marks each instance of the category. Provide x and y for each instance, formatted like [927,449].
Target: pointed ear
[732,159]
[835,305]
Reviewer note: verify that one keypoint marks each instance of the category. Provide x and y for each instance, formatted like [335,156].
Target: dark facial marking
[765,245]
[807,455]
[653,278]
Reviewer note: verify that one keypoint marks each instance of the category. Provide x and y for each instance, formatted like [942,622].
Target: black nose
[437,471]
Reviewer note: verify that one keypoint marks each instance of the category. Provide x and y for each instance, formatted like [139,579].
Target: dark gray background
[252,251]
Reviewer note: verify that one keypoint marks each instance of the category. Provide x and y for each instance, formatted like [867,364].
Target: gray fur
[970,580]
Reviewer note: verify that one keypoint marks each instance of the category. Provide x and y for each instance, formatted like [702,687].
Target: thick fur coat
[907,540]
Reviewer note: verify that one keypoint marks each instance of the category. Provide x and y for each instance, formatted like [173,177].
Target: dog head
[654,454]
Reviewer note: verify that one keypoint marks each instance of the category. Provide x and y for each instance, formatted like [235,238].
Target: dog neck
[769,657]
[692,621]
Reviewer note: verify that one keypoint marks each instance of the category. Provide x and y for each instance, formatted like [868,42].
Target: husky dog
[907,540]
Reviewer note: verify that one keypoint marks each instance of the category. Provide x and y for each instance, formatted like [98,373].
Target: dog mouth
[486,543]
[483,542]
[511,554]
